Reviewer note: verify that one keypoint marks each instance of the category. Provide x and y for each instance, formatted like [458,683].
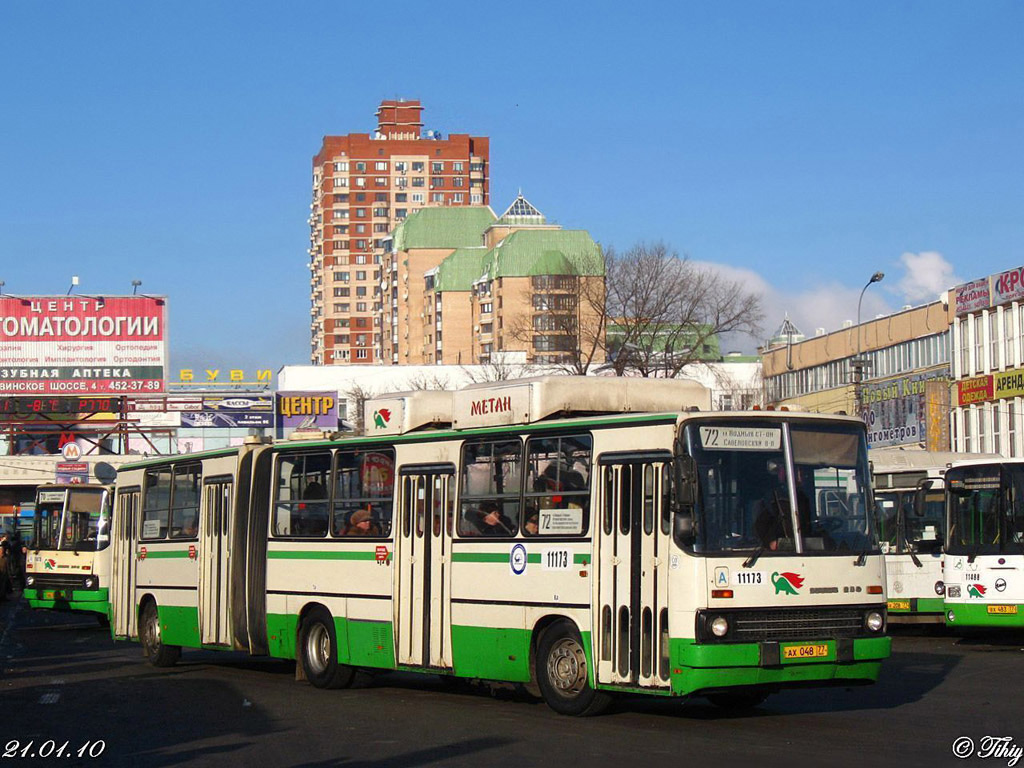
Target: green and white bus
[985,544]
[68,566]
[911,509]
[580,536]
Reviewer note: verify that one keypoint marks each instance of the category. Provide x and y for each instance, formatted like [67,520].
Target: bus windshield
[986,516]
[920,532]
[80,524]
[751,477]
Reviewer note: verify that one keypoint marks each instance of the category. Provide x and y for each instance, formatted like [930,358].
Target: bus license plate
[899,605]
[804,651]
[1002,609]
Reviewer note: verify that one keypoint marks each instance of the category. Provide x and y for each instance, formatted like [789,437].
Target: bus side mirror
[686,481]
[684,527]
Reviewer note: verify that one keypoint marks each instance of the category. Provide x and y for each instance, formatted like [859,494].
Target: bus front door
[631,614]
[123,561]
[214,592]
[423,590]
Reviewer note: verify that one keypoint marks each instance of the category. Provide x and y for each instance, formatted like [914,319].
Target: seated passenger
[489,520]
[361,524]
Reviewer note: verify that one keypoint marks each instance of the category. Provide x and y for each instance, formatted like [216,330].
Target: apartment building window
[360,274]
[379,228]
[401,166]
[486,308]
[341,167]
[341,293]
[360,197]
[380,165]
[361,290]
[360,306]
[457,167]
[340,308]
[339,215]
[360,229]
[476,199]
[476,167]
[360,167]
[997,431]
[361,245]
[437,197]
[401,182]
[401,197]
[361,181]
[360,213]
[380,212]
[487,329]
[1011,428]
[418,181]
[400,213]
[341,244]
[381,181]
[458,197]
[436,181]
[341,198]
[362,354]
[417,197]
[458,181]
[361,257]
[341,276]
[437,167]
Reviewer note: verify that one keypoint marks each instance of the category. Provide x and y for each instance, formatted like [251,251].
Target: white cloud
[927,275]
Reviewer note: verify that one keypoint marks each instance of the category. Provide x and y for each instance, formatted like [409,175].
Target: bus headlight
[874,621]
[719,626]
[90,582]
[30,580]
[950,617]
[940,588]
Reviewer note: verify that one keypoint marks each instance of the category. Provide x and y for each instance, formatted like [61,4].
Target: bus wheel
[318,644]
[563,674]
[160,655]
[738,700]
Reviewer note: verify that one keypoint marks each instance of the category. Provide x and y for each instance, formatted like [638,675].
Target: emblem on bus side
[517,559]
[381,418]
[976,590]
[786,582]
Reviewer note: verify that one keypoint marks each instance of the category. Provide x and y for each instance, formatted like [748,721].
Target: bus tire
[318,644]
[738,700]
[563,673]
[159,654]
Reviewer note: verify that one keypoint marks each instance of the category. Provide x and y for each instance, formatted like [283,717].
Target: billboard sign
[76,345]
[210,419]
[972,296]
[1008,286]
[896,410]
[307,410]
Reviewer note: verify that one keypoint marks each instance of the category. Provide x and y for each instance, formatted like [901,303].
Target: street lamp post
[859,362]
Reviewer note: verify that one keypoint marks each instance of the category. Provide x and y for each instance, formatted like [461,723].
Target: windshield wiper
[862,558]
[916,562]
[749,562]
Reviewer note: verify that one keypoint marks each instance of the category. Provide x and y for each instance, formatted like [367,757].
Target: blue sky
[799,145]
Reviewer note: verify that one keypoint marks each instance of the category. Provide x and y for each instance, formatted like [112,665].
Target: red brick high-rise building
[363,186]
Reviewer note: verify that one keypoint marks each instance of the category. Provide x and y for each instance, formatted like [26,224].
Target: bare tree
[500,368]
[665,311]
[357,395]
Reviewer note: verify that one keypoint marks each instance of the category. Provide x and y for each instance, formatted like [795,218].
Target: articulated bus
[984,562]
[579,536]
[68,565]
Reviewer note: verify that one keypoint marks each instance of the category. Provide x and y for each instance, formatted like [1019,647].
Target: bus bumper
[89,600]
[984,615]
[704,667]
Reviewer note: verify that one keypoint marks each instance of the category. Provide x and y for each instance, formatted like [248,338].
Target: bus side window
[156,509]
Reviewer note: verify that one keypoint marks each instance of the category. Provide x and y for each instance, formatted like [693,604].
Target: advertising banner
[75,345]
[936,396]
[896,409]
[1008,384]
[1008,286]
[307,410]
[210,419]
[973,296]
[976,390]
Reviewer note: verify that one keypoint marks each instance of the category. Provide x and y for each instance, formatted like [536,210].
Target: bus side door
[124,618]
[423,573]
[631,613]
[214,592]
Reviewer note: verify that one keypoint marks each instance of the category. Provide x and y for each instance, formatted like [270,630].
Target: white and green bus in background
[67,566]
[984,561]
[911,510]
[580,536]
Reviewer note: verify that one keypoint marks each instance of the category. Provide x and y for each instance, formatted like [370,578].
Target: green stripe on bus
[299,554]
[166,554]
[503,557]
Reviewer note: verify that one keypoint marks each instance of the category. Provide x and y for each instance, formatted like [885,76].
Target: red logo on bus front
[382,554]
[142,553]
[191,551]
